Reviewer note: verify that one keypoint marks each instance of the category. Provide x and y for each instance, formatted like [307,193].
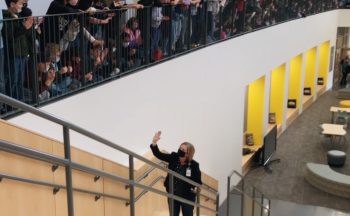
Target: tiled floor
[299,144]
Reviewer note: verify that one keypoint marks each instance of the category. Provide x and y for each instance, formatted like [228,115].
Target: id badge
[188,172]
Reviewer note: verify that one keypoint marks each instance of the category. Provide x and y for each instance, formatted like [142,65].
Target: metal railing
[70,165]
[145,174]
[242,192]
[61,54]
[162,178]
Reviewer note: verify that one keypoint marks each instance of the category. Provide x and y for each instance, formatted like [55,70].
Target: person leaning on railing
[181,162]
[16,32]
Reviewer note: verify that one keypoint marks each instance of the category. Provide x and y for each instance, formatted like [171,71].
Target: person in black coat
[181,162]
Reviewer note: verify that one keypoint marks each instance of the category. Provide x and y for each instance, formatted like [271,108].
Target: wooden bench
[328,180]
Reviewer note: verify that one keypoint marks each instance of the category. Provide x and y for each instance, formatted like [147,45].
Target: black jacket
[181,188]
[17,39]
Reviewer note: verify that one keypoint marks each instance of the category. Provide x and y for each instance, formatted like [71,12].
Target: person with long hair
[181,162]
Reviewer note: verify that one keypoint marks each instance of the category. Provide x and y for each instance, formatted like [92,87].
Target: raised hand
[156,137]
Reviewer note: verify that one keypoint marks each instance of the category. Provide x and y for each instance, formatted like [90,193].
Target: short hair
[190,150]
[131,21]
[8,2]
[51,48]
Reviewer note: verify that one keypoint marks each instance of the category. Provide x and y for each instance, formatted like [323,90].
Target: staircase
[44,177]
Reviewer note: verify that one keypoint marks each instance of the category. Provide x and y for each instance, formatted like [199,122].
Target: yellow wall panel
[255,109]
[295,78]
[277,92]
[310,69]
[323,61]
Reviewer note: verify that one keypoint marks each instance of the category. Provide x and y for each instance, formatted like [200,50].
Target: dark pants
[17,72]
[343,79]
[2,77]
[187,210]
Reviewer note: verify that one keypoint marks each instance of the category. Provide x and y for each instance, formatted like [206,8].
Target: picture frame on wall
[320,81]
[307,91]
[249,139]
[272,118]
[292,103]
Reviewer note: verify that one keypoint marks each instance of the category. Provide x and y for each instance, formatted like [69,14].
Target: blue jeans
[60,86]
[17,70]
[176,25]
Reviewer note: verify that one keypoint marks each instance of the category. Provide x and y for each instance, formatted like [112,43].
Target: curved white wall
[198,97]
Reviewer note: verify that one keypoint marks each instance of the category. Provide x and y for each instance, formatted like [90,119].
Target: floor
[299,144]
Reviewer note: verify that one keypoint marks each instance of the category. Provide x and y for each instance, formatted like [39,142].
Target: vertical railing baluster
[253,199]
[262,204]
[198,202]
[217,203]
[147,46]
[132,187]
[34,76]
[242,199]
[228,195]
[68,168]
[171,191]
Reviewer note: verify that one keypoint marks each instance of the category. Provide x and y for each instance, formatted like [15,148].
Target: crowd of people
[80,42]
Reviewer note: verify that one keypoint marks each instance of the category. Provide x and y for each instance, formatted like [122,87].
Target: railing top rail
[73,14]
[27,108]
[237,173]
[58,186]
[254,200]
[242,178]
[148,171]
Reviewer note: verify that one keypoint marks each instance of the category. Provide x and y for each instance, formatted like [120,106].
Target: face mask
[57,59]
[181,153]
[126,44]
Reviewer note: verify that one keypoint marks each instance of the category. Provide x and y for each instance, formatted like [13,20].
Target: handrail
[144,191]
[242,178]
[162,178]
[34,154]
[57,187]
[229,188]
[148,171]
[252,198]
[71,165]
[145,174]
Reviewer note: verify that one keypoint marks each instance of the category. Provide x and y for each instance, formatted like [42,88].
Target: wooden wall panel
[113,187]
[25,167]
[22,199]
[115,207]
[84,204]
[152,204]
[80,179]
[23,194]
[20,136]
